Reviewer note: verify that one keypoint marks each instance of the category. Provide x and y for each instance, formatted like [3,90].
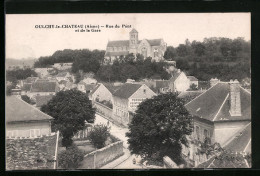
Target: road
[125,161]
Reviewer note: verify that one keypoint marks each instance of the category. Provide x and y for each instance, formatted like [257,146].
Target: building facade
[154,48]
[126,100]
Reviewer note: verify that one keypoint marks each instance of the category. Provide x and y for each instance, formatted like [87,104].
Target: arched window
[205,133]
[144,52]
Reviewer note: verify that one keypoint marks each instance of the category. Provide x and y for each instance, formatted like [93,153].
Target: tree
[193,87]
[70,110]
[27,99]
[70,158]
[170,53]
[159,127]
[98,135]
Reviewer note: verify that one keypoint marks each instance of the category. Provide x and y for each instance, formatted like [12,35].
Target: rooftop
[42,99]
[44,86]
[192,78]
[126,90]
[18,110]
[213,104]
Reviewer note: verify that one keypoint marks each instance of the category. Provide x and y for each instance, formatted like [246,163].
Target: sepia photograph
[128,91]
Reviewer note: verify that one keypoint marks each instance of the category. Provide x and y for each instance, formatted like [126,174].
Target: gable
[143,92]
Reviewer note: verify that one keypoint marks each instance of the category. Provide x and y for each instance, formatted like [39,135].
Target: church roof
[155,42]
[133,31]
[118,43]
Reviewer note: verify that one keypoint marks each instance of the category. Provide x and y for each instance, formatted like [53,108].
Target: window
[198,132]
[205,133]
[34,133]
[144,91]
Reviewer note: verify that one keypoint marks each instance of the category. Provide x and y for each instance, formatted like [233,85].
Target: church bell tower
[133,41]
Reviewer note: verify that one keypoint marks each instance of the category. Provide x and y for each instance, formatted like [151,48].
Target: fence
[103,156]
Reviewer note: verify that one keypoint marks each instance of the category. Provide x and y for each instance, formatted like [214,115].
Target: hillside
[19,62]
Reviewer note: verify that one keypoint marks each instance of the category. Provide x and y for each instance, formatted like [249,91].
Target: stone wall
[30,154]
[104,110]
[103,156]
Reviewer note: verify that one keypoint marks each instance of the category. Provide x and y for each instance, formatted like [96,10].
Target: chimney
[235,102]
[213,81]
[178,71]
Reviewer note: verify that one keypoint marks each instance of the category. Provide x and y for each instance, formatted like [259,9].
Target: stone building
[126,100]
[153,48]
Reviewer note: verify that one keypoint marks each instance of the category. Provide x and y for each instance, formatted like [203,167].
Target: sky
[24,40]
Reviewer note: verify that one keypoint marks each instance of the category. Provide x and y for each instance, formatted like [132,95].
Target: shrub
[71,158]
[99,135]
[27,99]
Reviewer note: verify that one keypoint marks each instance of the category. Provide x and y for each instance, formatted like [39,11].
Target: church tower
[133,41]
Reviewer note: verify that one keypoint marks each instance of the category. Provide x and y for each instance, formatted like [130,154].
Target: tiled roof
[213,104]
[44,86]
[155,42]
[117,43]
[89,86]
[94,89]
[192,78]
[126,90]
[18,110]
[241,142]
[42,99]
[26,87]
[111,87]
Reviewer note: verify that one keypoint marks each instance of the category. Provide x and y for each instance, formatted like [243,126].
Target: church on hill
[153,48]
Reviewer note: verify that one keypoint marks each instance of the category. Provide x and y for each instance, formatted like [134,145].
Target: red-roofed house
[126,99]
[24,120]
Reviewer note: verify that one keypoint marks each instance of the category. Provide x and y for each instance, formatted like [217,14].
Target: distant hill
[19,62]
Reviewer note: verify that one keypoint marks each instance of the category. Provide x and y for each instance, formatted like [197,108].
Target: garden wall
[104,110]
[28,154]
[102,156]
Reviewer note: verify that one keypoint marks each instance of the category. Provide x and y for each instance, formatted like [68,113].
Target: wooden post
[56,150]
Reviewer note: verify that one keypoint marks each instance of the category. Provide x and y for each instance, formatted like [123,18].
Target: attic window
[144,91]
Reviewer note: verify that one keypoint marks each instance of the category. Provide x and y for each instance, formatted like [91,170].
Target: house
[62,84]
[42,100]
[42,72]
[29,80]
[193,80]
[126,99]
[214,81]
[102,92]
[89,80]
[26,88]
[43,87]
[153,48]
[63,66]
[179,82]
[24,120]
[85,88]
[63,76]
[221,111]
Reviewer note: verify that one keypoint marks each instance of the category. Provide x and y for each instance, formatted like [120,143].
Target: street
[125,161]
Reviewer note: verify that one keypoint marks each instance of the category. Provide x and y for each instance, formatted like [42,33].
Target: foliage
[84,59]
[193,87]
[70,109]
[27,99]
[159,127]
[130,67]
[230,159]
[98,135]
[19,74]
[214,57]
[70,158]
